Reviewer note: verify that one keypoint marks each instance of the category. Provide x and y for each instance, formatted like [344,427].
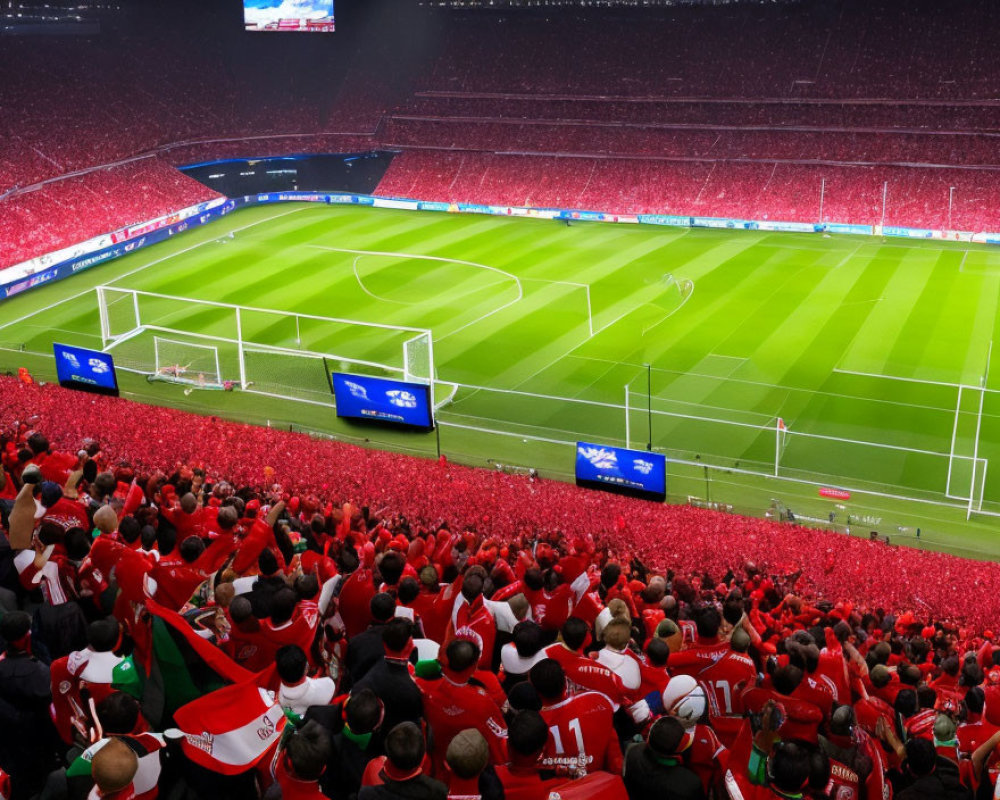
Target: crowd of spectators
[64,213]
[945,199]
[197,608]
[649,117]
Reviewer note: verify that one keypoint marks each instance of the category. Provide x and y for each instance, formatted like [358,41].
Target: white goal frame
[177,373]
[412,367]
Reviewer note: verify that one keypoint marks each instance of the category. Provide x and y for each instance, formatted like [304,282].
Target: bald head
[114,766]
[106,520]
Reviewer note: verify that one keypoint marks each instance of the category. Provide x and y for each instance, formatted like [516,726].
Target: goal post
[177,361]
[267,350]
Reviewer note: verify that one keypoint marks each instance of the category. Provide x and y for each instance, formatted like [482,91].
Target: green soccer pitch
[873,353]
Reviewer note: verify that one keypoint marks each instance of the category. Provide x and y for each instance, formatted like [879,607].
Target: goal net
[269,351]
[177,361]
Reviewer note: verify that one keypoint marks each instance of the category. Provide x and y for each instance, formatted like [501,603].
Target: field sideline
[874,353]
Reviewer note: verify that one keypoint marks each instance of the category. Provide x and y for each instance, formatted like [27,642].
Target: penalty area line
[137,270]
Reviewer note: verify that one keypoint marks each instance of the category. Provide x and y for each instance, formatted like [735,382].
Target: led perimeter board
[88,370]
[615,469]
[290,16]
[382,400]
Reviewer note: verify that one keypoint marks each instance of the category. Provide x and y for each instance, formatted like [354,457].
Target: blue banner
[78,367]
[618,468]
[381,399]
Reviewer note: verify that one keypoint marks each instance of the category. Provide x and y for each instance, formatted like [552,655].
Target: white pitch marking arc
[439,259]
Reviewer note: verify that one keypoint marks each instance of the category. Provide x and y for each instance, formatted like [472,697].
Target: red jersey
[707,757]
[450,708]
[582,737]
[585,674]
[176,580]
[723,677]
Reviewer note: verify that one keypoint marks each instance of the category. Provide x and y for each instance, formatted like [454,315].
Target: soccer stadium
[522,399]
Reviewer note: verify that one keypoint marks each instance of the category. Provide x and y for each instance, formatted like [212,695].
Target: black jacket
[364,651]
[942,784]
[392,684]
[419,788]
[647,777]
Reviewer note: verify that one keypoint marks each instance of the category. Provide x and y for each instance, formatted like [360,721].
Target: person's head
[404,749]
[740,641]
[227,518]
[113,767]
[118,714]
[575,633]
[397,637]
[38,444]
[191,549]
[103,485]
[283,603]
[129,529]
[842,721]
[926,697]
[189,503]
[383,607]
[527,734]
[534,579]
[106,520]
[972,675]
[15,628]
[241,613]
[77,543]
[789,767]
[707,621]
[267,563]
[391,568]
[880,676]
[610,575]
[786,679]
[103,634]
[292,664]
[461,657]
[307,586]
[617,633]
[308,750]
[950,666]
[909,674]
[468,754]
[668,631]
[657,653]
[523,695]
[921,756]
[224,593]
[408,591]
[975,700]
[906,703]
[549,680]
[472,583]
[528,638]
[666,737]
[363,712]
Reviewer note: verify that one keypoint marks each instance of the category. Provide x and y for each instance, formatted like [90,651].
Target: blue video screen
[617,469]
[80,368]
[382,400]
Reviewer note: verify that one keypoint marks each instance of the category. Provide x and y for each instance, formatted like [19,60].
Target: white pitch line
[137,270]
[517,281]
[899,378]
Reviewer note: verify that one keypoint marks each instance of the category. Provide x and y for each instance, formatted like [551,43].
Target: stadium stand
[50,217]
[655,123]
[558,628]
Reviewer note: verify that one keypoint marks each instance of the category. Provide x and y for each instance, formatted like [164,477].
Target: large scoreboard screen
[293,16]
